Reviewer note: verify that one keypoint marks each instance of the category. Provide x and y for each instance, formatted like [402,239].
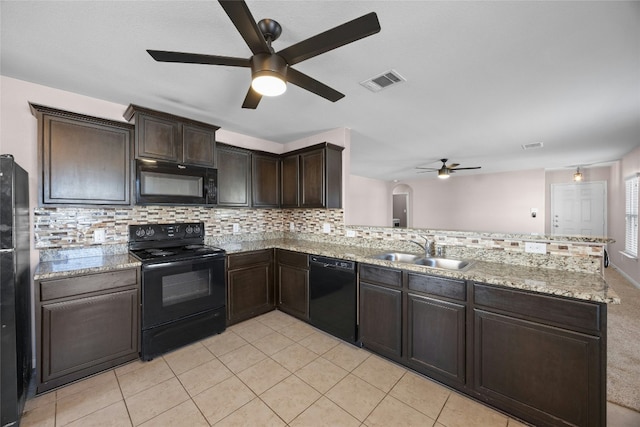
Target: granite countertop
[591,287]
[584,286]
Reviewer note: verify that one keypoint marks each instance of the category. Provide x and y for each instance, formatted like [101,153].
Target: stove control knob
[140,232]
[150,232]
[196,229]
[189,229]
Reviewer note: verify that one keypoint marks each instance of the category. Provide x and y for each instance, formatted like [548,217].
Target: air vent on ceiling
[532,145]
[383,81]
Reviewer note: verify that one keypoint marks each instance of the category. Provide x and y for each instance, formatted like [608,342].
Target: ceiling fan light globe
[268,84]
[443,174]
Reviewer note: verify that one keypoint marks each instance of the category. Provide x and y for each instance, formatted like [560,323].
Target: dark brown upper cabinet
[312,177]
[234,176]
[163,136]
[265,177]
[83,160]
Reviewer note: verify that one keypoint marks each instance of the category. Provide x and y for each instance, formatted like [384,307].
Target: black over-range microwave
[175,184]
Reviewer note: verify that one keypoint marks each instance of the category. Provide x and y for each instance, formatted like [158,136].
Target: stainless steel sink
[445,263]
[398,257]
[449,264]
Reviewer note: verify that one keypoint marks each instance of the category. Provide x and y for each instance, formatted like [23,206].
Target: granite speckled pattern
[65,267]
[584,286]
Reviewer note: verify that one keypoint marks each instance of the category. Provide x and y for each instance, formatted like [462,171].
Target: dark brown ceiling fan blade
[252,99]
[243,20]
[428,169]
[453,165]
[331,39]
[461,169]
[196,58]
[312,85]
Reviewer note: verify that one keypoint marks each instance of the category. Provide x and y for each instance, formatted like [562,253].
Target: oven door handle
[191,261]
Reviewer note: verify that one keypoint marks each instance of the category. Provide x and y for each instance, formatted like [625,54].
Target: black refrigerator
[15,294]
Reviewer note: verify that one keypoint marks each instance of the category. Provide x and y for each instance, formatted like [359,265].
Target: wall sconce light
[268,74]
[577,177]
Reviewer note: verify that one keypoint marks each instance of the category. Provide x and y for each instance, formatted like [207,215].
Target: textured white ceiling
[483,78]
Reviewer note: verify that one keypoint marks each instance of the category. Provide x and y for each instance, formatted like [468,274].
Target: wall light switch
[292,226]
[99,235]
[535,248]
[326,228]
[236,227]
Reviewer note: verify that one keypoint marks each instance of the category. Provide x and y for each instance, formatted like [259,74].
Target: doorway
[400,204]
[579,209]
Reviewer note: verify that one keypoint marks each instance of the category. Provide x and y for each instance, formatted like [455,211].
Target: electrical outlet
[292,226]
[99,235]
[534,212]
[535,248]
[351,233]
[326,228]
[236,227]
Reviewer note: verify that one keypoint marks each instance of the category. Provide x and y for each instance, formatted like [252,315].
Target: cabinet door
[381,319]
[312,179]
[265,191]
[250,292]
[158,138]
[290,182]
[539,372]
[293,291]
[198,146]
[85,163]
[234,171]
[83,336]
[436,337]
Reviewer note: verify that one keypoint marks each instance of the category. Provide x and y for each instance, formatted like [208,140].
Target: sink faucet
[427,247]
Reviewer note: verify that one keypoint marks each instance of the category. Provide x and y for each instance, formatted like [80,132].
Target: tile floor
[273,370]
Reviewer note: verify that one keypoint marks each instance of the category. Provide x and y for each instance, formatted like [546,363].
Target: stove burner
[159,252]
[194,247]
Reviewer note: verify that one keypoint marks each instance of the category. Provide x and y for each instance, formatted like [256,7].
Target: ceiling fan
[271,70]
[445,170]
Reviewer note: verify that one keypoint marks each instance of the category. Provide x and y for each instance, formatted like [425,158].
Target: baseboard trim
[626,276]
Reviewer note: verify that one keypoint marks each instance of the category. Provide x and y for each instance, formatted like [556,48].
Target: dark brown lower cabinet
[381,320]
[85,324]
[250,289]
[436,336]
[293,283]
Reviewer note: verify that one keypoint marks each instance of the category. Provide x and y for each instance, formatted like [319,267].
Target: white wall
[369,202]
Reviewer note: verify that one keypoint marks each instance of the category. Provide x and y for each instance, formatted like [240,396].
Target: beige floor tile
[129,367]
[319,342]
[104,379]
[355,396]
[460,411]
[115,415]
[392,412]
[150,374]
[290,397]
[223,399]
[263,375]
[421,394]
[276,320]
[185,414]
[272,343]
[42,415]
[254,413]
[379,372]
[204,376]
[223,343]
[619,416]
[242,358]
[516,423]
[297,330]
[321,374]
[346,356]
[325,413]
[78,405]
[38,401]
[294,357]
[188,357]
[253,331]
[155,400]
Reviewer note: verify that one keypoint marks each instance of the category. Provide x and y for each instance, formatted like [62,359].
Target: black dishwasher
[332,297]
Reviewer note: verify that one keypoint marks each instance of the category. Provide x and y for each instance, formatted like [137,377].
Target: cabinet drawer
[295,259]
[250,258]
[79,285]
[548,309]
[384,276]
[440,286]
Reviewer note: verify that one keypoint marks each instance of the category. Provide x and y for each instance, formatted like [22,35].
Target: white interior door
[579,209]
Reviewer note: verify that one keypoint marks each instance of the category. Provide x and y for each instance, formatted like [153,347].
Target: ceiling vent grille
[383,81]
